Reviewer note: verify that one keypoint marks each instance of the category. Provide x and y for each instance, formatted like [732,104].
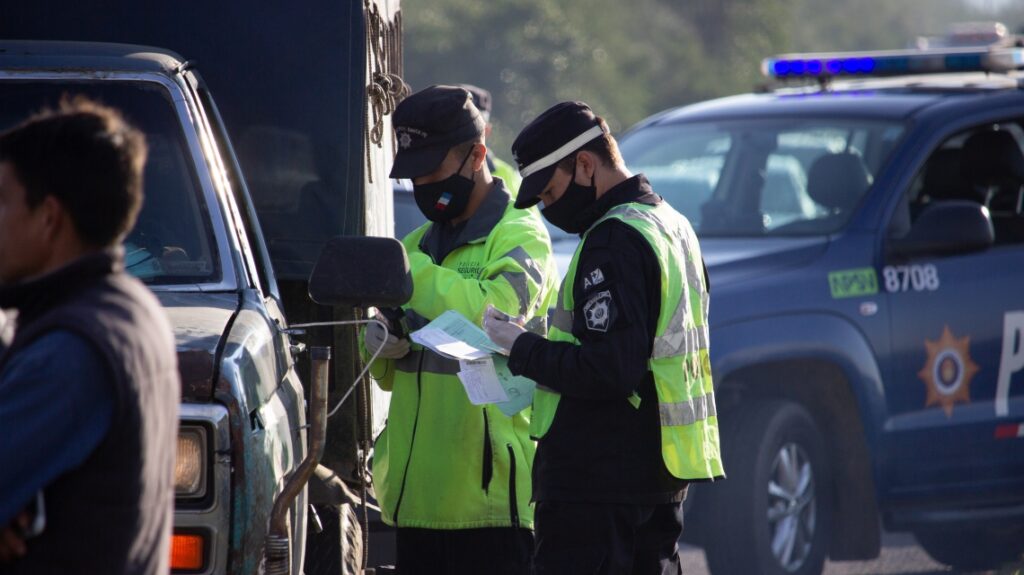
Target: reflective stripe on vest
[688,412]
[432,363]
[679,359]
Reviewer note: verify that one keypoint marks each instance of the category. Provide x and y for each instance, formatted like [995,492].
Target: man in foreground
[89,387]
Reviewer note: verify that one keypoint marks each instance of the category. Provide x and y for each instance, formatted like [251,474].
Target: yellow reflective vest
[507,173]
[441,462]
[679,361]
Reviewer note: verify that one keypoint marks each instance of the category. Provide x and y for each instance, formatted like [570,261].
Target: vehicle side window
[985,165]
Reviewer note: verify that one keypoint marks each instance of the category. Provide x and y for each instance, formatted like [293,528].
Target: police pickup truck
[864,237]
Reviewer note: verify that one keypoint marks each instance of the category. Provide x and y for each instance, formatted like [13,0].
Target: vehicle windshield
[171,242]
[762,177]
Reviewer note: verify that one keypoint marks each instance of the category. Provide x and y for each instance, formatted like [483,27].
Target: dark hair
[603,146]
[86,156]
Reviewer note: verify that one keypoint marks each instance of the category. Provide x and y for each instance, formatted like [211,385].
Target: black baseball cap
[481,99]
[428,124]
[553,136]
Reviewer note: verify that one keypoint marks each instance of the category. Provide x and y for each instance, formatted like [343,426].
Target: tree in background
[631,59]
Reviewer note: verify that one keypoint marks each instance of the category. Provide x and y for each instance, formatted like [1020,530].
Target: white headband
[568,148]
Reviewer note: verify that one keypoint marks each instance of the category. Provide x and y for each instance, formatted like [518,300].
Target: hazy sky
[990,5]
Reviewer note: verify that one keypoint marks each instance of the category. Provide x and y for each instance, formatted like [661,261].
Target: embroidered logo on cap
[406,135]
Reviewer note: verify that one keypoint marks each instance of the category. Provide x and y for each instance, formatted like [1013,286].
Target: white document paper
[455,337]
[446,345]
[486,378]
[480,379]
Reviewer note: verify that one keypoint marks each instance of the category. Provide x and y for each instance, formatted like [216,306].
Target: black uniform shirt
[600,448]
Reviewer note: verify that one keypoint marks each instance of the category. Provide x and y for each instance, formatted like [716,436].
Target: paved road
[900,556]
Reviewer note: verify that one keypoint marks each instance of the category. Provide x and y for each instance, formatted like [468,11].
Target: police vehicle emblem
[948,371]
[598,311]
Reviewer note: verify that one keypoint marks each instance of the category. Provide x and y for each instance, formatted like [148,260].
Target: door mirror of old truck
[357,271]
[947,227]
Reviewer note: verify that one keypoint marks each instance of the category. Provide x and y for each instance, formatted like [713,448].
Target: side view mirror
[947,227]
[357,271]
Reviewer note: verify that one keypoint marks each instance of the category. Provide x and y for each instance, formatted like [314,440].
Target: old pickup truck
[246,428]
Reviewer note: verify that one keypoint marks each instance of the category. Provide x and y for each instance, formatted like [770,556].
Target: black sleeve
[617,294]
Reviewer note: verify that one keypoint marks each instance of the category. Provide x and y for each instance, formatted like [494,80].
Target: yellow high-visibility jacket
[441,462]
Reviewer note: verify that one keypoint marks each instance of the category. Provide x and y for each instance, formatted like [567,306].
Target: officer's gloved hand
[393,347]
[502,329]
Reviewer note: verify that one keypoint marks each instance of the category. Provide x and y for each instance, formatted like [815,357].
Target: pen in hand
[502,328]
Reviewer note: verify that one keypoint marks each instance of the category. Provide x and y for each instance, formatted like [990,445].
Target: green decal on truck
[853,283]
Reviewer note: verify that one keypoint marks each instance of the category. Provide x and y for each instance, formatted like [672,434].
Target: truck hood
[199,321]
[733,259]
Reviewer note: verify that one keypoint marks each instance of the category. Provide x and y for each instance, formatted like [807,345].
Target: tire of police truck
[973,549]
[338,549]
[773,513]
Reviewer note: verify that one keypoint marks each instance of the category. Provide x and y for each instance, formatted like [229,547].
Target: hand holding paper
[486,377]
[390,347]
[501,329]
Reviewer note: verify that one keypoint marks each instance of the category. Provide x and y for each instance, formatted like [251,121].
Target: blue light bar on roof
[893,63]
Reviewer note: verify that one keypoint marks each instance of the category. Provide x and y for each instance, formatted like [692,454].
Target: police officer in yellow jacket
[624,411]
[453,477]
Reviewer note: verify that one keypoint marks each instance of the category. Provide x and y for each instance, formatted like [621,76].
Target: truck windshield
[171,242]
[762,177]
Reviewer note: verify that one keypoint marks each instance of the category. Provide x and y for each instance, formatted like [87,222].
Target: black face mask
[567,212]
[444,200]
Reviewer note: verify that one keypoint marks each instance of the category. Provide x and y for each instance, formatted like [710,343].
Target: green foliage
[629,59]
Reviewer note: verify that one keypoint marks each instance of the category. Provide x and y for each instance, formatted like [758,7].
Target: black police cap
[481,99]
[428,124]
[552,137]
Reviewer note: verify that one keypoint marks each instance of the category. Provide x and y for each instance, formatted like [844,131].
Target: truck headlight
[190,465]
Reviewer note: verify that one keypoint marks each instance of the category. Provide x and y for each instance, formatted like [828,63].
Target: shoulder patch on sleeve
[599,310]
[594,278]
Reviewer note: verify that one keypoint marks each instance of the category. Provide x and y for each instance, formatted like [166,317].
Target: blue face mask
[444,200]
[566,213]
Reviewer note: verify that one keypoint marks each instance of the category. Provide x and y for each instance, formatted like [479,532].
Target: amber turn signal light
[187,552]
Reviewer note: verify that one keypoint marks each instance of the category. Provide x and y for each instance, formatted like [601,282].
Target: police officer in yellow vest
[499,168]
[624,412]
[454,477]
